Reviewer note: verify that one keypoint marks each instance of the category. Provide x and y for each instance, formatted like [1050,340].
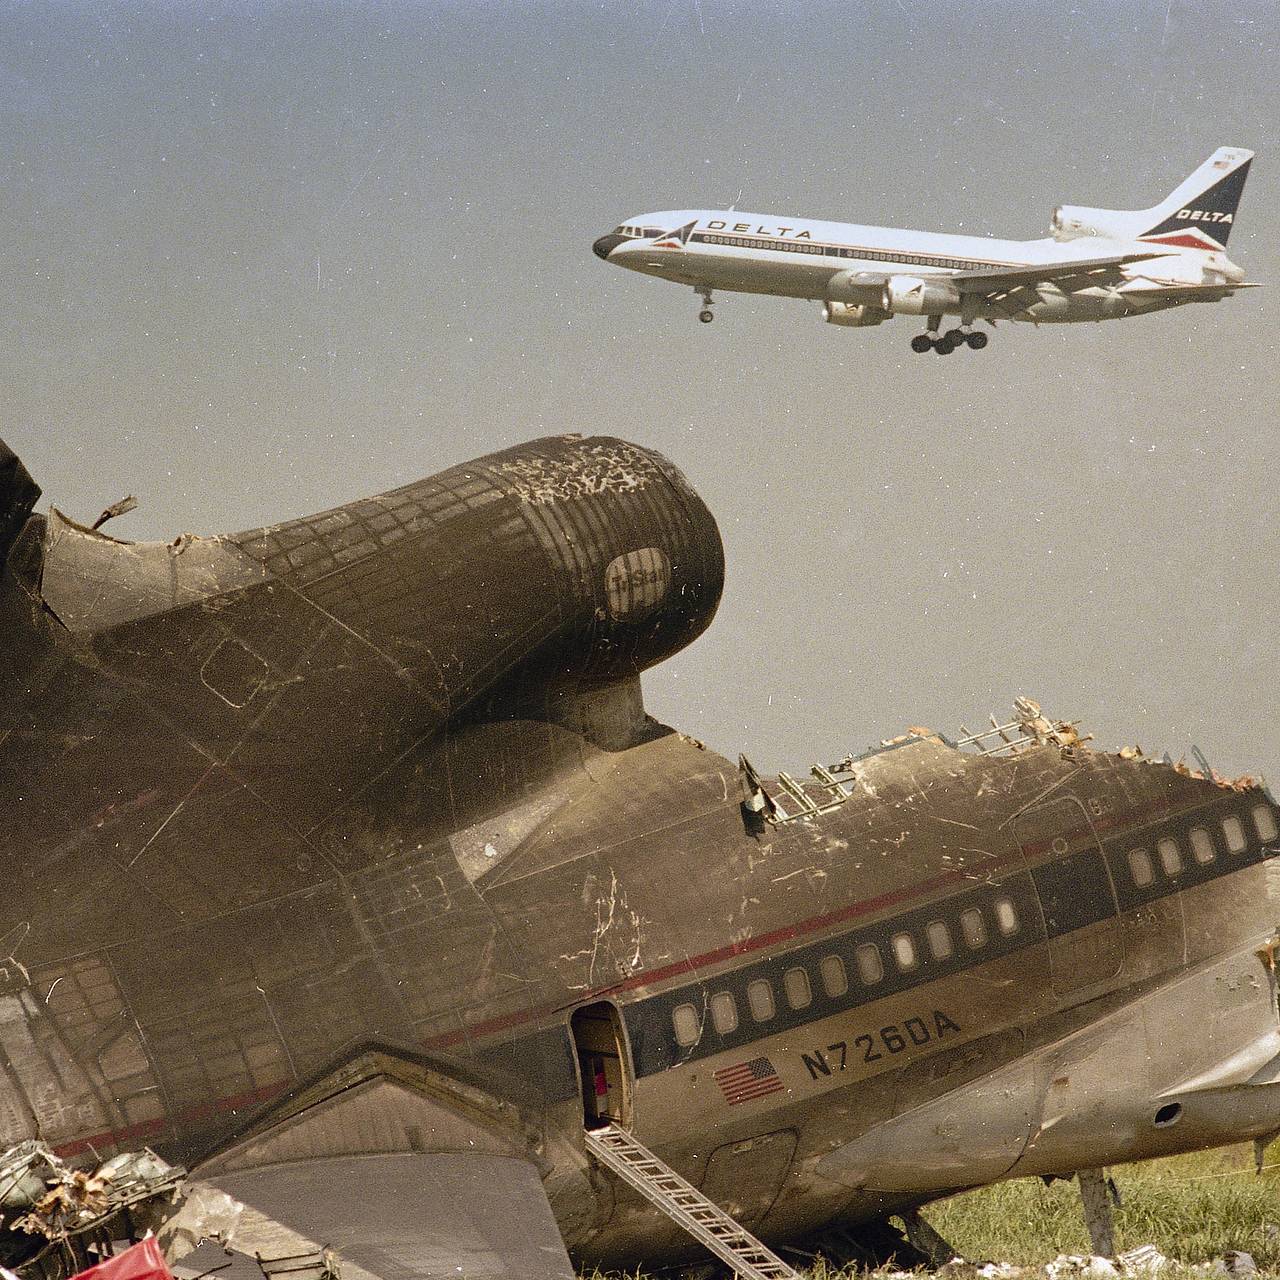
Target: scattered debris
[142,1261]
[121,508]
[56,1220]
[1141,1263]
[1068,1265]
[322,1264]
[1145,1260]
[1240,1263]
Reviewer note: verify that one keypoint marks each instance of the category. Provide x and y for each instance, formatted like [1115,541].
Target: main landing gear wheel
[707,316]
[944,344]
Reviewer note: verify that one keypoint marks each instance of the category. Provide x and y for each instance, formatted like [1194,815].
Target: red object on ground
[142,1261]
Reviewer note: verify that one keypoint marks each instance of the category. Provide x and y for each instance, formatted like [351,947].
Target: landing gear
[706,315]
[944,344]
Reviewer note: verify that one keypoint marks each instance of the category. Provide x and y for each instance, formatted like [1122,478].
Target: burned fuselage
[377,786]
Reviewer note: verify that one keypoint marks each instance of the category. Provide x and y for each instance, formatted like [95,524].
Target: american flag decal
[747,1080]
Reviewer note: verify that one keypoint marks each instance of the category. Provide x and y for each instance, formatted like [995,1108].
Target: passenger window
[870,966]
[904,950]
[1264,822]
[1170,856]
[1006,917]
[1201,844]
[795,982]
[1140,867]
[939,940]
[974,927]
[1234,831]
[835,982]
[760,1000]
[684,1018]
[724,1012]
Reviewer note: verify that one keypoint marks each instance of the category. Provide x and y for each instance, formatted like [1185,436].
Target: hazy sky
[262,259]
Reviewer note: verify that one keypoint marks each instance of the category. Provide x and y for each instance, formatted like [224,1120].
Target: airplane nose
[606,245]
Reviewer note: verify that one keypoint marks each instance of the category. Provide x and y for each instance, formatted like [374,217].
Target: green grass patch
[1193,1208]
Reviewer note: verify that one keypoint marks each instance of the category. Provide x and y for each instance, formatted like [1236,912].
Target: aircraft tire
[944,346]
[706,317]
[921,343]
[976,340]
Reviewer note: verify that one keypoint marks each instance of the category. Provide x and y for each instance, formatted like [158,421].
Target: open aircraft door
[604,1064]
[1077,897]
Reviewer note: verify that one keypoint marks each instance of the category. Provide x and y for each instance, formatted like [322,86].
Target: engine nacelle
[1074,221]
[919,296]
[856,317]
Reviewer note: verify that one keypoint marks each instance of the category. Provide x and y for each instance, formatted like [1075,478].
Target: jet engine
[856,317]
[916,296]
[1073,221]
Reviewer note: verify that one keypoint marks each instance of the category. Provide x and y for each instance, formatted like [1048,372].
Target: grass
[1193,1208]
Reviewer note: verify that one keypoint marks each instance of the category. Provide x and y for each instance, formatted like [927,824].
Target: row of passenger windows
[835,251]
[1172,853]
[906,952]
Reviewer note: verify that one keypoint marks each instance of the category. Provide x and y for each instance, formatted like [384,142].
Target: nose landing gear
[706,315]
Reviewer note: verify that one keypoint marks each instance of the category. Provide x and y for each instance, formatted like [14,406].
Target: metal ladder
[686,1206]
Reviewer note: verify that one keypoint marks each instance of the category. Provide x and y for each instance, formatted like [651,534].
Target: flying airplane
[342,863]
[1096,264]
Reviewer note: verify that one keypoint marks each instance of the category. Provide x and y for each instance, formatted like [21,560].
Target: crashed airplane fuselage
[343,852]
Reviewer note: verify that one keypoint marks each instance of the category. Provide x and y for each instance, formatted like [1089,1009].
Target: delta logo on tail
[1207,223]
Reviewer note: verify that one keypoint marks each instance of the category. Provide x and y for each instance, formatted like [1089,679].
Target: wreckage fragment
[55,1220]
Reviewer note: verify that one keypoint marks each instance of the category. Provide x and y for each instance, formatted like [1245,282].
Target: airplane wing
[1178,292]
[407,1216]
[402,1168]
[998,280]
[1013,289]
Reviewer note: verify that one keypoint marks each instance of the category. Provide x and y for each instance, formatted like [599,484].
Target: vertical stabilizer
[1198,214]
[1202,211]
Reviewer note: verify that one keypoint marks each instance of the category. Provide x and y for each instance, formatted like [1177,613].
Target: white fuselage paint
[807,258]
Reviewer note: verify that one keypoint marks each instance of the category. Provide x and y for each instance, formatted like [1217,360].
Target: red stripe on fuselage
[233,1103]
[790,932]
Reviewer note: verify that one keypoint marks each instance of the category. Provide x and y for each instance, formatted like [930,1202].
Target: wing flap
[1005,279]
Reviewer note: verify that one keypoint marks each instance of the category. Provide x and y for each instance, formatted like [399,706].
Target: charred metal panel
[504,561]
[18,497]
[92,582]
[744,1177]
[1078,902]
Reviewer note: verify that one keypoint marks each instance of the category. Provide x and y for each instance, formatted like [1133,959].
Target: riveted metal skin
[375,787]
